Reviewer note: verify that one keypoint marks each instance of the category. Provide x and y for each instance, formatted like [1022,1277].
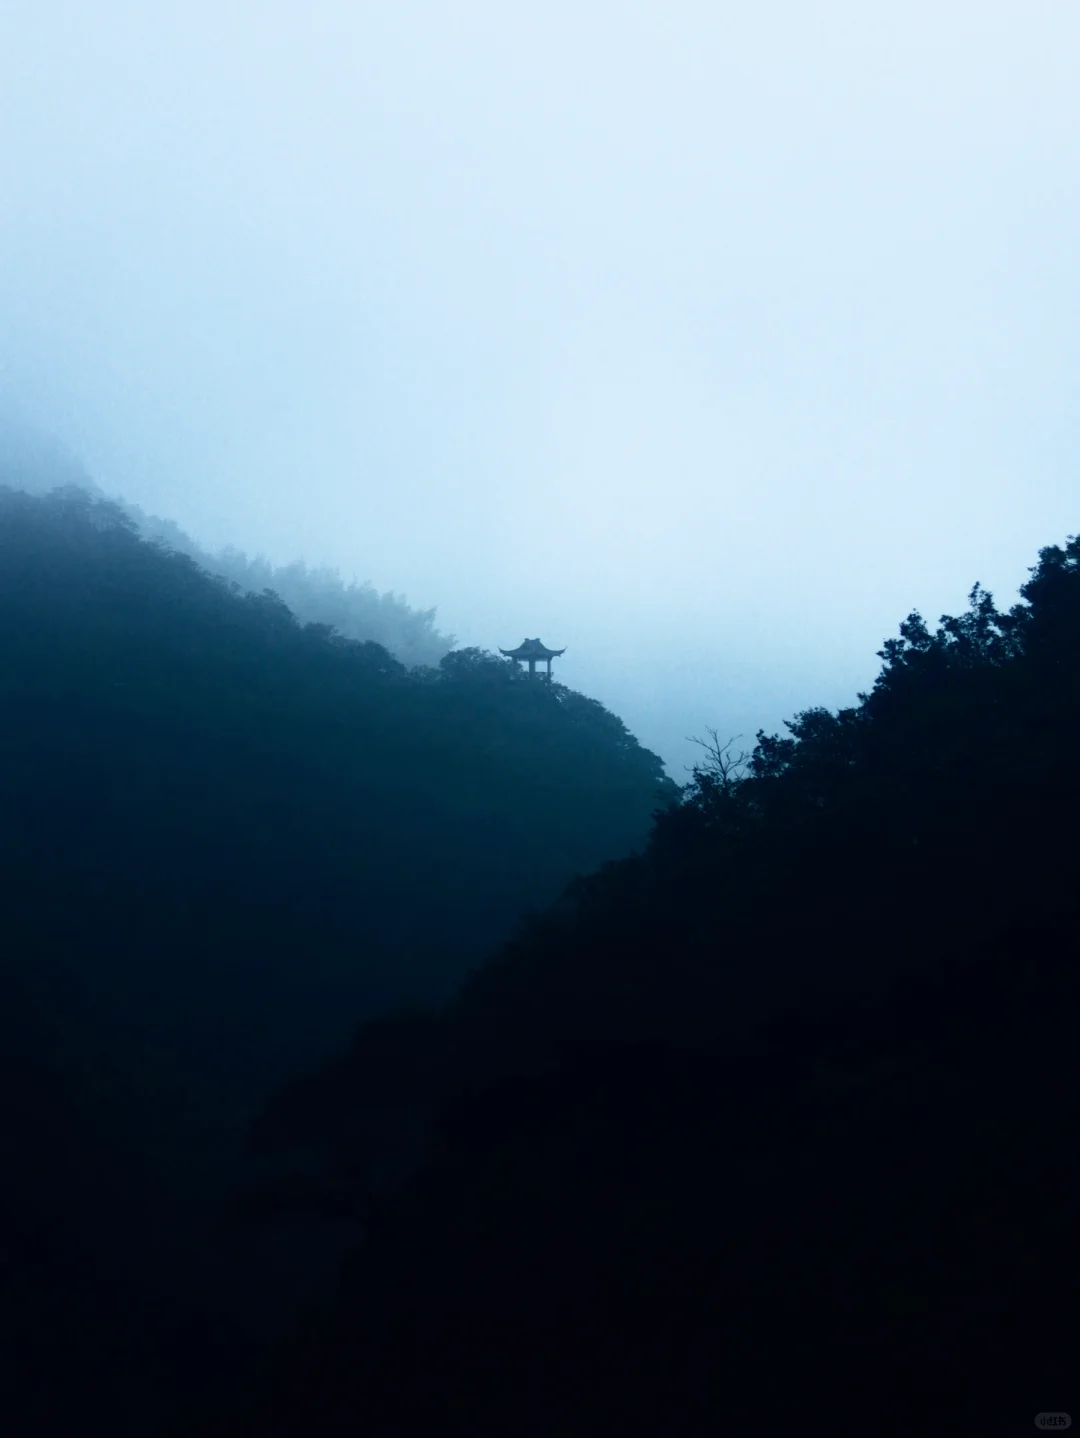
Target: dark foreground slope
[773,1128]
[225,838]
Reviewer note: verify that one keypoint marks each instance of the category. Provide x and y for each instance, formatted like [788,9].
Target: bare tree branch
[720,767]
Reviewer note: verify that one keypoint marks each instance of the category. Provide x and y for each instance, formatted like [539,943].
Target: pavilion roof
[532,649]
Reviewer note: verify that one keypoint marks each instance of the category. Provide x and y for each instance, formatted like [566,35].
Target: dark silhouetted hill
[225,837]
[772,1127]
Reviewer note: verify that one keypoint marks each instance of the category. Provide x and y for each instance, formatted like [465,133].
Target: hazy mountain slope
[316,595]
[37,464]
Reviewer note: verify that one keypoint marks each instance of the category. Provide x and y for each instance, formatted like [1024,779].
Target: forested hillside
[225,838]
[771,1128]
[617,1111]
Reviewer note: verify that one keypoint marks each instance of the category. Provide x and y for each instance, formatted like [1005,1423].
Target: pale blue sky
[704,339]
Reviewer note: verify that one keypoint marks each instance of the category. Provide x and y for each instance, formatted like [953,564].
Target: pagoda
[532,650]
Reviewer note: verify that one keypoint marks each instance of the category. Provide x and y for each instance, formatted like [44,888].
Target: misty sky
[705,339]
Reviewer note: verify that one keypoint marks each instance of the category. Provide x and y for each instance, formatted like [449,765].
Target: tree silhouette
[769,1121]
